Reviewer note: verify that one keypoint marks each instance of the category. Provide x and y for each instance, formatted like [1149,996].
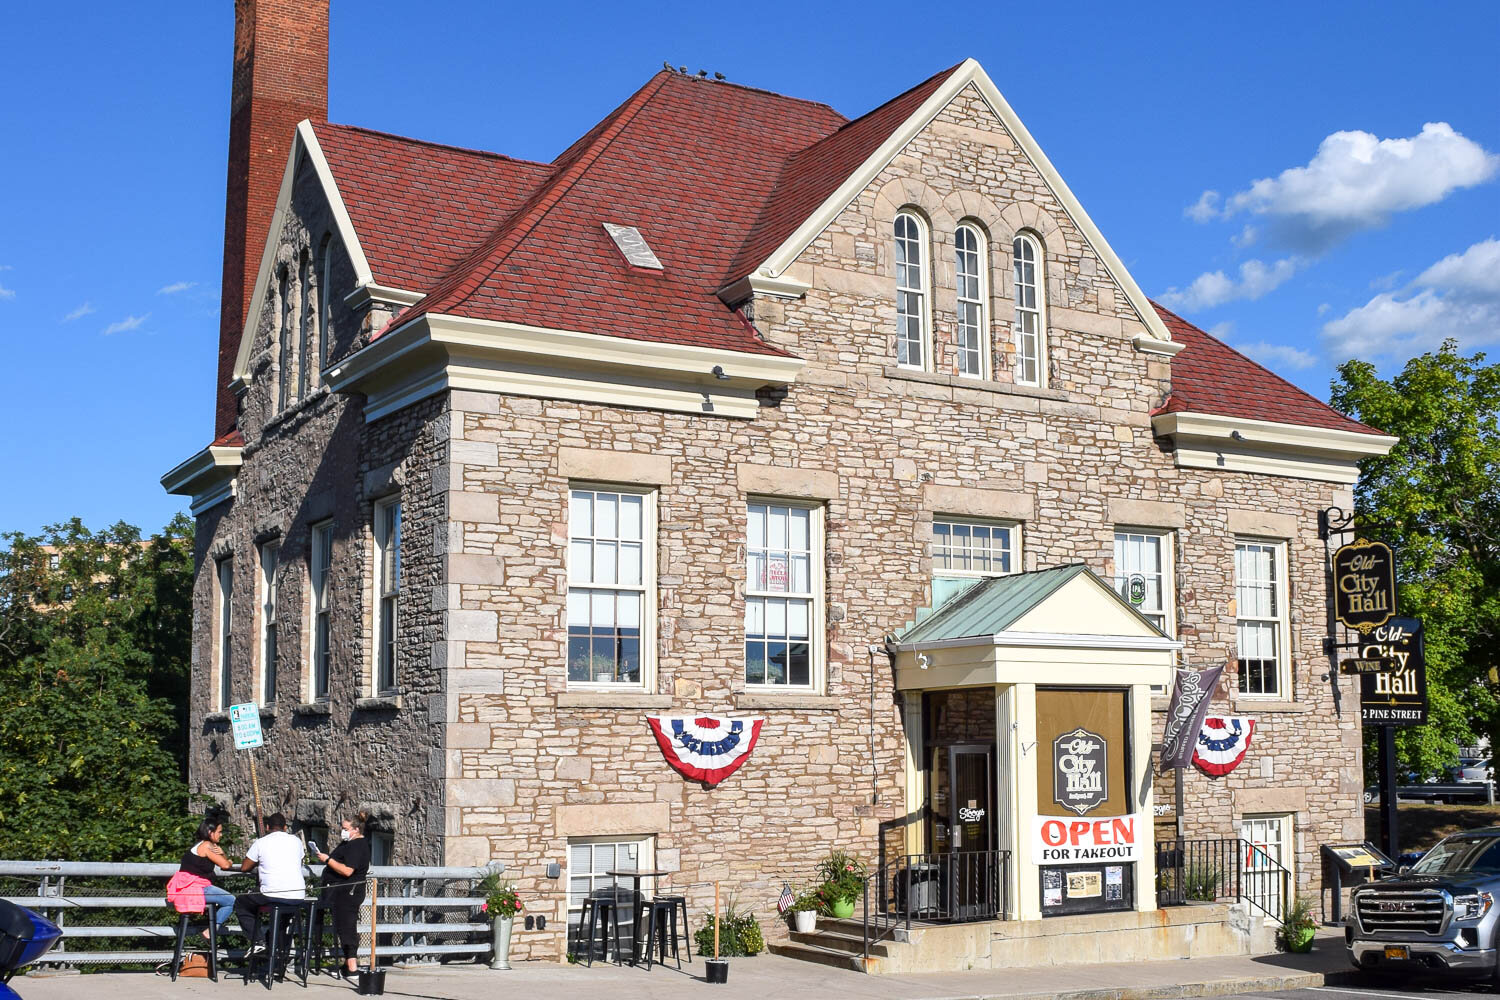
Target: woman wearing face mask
[344,886]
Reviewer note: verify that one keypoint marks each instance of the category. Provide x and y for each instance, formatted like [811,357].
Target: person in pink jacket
[192,888]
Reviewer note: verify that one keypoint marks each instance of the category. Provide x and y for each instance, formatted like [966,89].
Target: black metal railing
[1221,869]
[954,887]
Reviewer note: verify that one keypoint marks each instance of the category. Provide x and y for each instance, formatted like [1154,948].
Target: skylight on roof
[633,246]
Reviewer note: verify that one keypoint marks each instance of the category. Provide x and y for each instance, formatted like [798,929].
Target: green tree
[94,655]
[1436,497]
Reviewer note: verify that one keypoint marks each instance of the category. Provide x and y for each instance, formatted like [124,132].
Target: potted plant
[804,911]
[1298,928]
[501,904]
[843,876]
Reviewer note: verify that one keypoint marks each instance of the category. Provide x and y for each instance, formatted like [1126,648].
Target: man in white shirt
[277,860]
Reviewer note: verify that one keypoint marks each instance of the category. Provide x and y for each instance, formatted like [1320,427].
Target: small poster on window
[1084,885]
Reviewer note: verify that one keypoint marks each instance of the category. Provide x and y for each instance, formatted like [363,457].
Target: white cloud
[127,324]
[175,287]
[1323,308]
[1357,181]
[1222,330]
[1205,209]
[79,313]
[7,293]
[1278,355]
[1212,288]
[1457,297]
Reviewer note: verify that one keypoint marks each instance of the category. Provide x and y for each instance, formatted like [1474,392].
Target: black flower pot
[718,970]
[372,984]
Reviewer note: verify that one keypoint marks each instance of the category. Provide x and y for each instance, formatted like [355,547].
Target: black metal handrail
[953,887]
[1222,868]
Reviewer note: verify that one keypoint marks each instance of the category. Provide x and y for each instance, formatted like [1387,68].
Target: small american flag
[785,902]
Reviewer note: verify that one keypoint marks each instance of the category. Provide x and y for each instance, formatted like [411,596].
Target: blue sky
[1350,148]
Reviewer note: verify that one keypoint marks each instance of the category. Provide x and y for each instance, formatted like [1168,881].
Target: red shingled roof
[1209,376]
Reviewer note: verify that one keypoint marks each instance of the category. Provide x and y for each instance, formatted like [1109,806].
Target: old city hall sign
[1364,584]
[1080,779]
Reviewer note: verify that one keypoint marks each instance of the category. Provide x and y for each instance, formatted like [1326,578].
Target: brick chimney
[280,78]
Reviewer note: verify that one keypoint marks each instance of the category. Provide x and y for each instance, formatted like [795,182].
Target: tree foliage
[1436,498]
[95,631]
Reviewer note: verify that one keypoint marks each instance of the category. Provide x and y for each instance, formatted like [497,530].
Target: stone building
[703,419]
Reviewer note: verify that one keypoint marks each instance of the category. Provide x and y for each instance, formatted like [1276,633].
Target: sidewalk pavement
[765,977]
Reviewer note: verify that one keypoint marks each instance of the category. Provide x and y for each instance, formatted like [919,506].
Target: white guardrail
[84,898]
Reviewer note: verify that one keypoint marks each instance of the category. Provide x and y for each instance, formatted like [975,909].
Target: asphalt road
[1377,990]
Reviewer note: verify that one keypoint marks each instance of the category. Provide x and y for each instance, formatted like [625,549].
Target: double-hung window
[269,553]
[321,647]
[965,550]
[969,274]
[783,588]
[1030,327]
[911,292]
[1144,558]
[387,591]
[1260,597]
[225,697]
[611,573]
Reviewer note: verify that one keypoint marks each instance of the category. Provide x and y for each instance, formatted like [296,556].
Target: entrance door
[963,832]
[1268,860]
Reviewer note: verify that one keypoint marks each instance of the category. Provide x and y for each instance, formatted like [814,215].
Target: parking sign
[245,721]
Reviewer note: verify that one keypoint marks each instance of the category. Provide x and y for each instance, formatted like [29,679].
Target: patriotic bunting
[707,748]
[1222,742]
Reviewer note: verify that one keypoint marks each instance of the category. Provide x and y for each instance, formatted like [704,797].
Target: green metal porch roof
[995,604]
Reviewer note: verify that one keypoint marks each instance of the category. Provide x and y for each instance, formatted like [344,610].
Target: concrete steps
[818,955]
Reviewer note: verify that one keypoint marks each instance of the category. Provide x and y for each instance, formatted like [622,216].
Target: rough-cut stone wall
[315,460]
[532,763]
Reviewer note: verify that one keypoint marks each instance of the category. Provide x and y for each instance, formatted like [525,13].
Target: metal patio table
[640,903]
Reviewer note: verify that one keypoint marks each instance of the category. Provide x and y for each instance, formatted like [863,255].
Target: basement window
[633,246]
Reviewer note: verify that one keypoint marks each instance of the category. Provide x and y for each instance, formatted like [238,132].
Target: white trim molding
[782,287]
[969,73]
[373,293]
[431,353]
[1150,345]
[1234,444]
[208,477]
[1050,640]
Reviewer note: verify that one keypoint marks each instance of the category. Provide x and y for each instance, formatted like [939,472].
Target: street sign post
[244,723]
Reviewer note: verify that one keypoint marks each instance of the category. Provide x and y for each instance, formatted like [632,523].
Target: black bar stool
[211,910]
[604,905]
[312,947]
[291,914]
[661,927]
[679,904]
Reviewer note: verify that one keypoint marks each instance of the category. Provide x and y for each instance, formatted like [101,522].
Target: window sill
[612,699]
[266,711]
[215,717]
[380,703]
[774,700]
[971,382]
[321,707]
[1272,705]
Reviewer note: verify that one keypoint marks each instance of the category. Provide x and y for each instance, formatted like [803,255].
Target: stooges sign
[1068,841]
[1364,584]
[1080,781]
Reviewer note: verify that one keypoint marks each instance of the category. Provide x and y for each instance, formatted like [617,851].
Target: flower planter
[841,909]
[806,921]
[500,928]
[1300,940]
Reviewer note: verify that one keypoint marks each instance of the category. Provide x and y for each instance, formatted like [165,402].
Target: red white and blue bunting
[1222,743]
[707,748]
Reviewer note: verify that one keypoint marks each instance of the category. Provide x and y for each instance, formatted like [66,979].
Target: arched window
[325,302]
[283,305]
[911,292]
[306,347]
[969,260]
[1031,329]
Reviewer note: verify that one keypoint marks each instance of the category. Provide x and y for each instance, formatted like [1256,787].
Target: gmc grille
[1423,911]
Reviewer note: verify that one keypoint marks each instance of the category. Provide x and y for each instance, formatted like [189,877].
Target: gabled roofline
[1240,444]
[305,141]
[208,476]
[968,72]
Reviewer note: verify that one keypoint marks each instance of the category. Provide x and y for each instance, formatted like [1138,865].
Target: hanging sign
[707,748]
[1222,742]
[244,722]
[1080,779]
[1364,584]
[1059,840]
[1396,696]
[1185,713]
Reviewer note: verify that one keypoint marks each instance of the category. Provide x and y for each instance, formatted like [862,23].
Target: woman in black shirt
[344,886]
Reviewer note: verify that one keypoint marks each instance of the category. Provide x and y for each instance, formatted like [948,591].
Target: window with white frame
[783,606]
[224,694]
[1260,599]
[1147,554]
[911,292]
[965,550]
[320,649]
[270,552]
[387,591]
[969,258]
[611,570]
[1030,326]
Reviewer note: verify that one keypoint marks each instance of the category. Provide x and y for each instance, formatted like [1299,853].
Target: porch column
[1143,791]
[1015,798]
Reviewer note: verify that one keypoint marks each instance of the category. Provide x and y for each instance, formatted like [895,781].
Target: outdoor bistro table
[640,903]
